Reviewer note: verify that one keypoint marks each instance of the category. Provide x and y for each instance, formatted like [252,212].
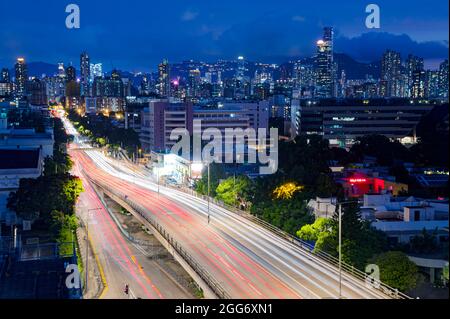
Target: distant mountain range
[353,68]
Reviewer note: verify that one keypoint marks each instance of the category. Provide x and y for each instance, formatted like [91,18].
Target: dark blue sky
[137,34]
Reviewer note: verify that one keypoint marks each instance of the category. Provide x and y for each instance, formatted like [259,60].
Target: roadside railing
[325,257]
[201,272]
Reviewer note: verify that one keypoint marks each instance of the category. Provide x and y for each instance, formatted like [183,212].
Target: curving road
[247,260]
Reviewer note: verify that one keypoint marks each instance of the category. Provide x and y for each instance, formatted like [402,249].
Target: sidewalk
[95,286]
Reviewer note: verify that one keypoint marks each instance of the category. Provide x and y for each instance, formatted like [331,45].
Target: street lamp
[339,205]
[340,243]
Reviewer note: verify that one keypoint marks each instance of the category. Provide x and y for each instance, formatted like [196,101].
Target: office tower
[325,68]
[240,69]
[96,70]
[164,79]
[21,77]
[443,80]
[391,73]
[71,74]
[85,74]
[413,64]
[4,76]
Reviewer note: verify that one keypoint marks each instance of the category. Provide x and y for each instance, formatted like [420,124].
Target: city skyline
[209,32]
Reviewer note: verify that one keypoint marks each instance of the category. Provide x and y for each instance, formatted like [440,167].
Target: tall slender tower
[85,70]
[164,78]
[325,68]
[21,77]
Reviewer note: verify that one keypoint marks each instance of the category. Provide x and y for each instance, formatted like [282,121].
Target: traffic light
[126,290]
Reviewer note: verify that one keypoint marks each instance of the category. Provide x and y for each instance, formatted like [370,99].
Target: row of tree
[49,200]
[101,131]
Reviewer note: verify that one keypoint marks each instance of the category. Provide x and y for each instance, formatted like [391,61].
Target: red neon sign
[357,180]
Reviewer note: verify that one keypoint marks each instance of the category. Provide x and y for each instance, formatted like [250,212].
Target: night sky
[137,34]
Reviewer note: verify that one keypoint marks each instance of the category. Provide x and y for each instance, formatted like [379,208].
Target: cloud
[189,15]
[371,46]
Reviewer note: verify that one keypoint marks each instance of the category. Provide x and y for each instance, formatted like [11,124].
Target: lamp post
[339,205]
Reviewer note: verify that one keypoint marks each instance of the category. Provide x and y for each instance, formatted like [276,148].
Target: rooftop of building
[369,102]
[19,159]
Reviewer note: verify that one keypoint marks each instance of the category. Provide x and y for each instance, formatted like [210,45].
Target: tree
[396,270]
[287,190]
[312,232]
[360,241]
[234,191]
[216,175]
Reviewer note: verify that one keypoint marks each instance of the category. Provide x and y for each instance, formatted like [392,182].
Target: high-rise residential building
[443,80]
[413,64]
[21,77]
[324,65]
[419,80]
[164,79]
[71,75]
[96,70]
[4,76]
[391,68]
[432,84]
[193,89]
[85,70]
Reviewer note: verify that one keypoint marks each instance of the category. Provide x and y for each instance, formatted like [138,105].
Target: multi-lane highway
[247,260]
[122,262]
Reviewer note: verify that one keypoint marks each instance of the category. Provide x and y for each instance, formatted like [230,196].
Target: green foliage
[424,243]
[234,191]
[102,132]
[396,270]
[62,228]
[216,175]
[38,198]
[360,242]
[382,148]
[312,232]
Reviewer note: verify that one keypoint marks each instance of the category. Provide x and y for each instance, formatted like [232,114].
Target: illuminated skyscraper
[194,83]
[324,68]
[240,69]
[164,79]
[391,73]
[21,77]
[85,74]
[443,80]
[96,70]
[413,64]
